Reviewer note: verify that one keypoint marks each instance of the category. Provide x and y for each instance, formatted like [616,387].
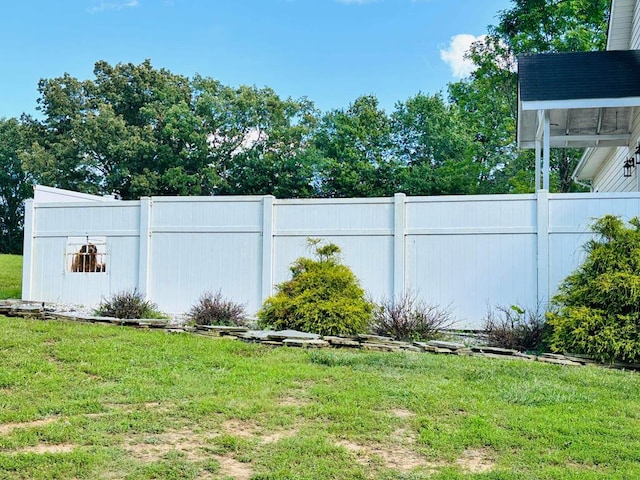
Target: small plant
[516,328]
[214,309]
[323,296]
[128,304]
[410,318]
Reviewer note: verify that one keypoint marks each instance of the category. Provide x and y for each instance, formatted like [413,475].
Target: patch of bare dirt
[402,413]
[250,430]
[397,454]
[240,429]
[278,435]
[291,401]
[7,428]
[396,457]
[153,448]
[477,460]
[159,407]
[93,415]
[192,445]
[45,448]
[54,360]
[230,467]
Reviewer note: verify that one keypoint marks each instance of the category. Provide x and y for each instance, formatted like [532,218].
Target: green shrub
[214,309]
[410,318]
[323,296]
[128,304]
[597,309]
[516,328]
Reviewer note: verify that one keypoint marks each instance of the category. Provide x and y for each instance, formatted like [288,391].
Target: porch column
[538,154]
[546,154]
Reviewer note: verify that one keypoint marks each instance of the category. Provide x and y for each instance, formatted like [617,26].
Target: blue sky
[331,51]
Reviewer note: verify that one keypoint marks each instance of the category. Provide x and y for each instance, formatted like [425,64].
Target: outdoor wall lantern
[628,165]
[631,162]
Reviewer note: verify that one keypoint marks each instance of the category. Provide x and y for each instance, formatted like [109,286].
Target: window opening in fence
[86,255]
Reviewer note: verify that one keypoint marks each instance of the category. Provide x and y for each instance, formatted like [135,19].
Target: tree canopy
[136,130]
[487,98]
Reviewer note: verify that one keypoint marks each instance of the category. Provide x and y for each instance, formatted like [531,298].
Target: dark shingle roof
[579,75]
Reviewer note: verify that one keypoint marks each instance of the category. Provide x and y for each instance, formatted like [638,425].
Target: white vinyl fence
[465,251]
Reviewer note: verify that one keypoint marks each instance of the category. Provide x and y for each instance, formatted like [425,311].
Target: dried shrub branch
[214,309]
[516,328]
[408,317]
[128,304]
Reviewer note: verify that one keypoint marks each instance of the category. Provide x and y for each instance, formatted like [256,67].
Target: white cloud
[454,55]
[102,5]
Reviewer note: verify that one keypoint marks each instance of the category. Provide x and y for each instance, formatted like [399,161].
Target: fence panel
[472,252]
[570,219]
[205,244]
[362,228]
[58,231]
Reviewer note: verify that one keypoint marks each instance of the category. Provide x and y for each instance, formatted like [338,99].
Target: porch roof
[588,96]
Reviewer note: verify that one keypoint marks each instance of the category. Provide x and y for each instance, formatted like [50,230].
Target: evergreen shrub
[323,296]
[597,309]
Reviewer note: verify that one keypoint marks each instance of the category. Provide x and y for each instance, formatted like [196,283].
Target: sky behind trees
[331,51]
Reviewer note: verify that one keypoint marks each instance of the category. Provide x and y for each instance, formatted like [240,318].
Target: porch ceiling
[578,127]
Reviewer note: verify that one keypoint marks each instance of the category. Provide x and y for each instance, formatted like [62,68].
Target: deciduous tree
[15,185]
[355,146]
[434,146]
[487,99]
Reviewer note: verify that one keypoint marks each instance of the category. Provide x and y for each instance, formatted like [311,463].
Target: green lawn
[10,276]
[81,401]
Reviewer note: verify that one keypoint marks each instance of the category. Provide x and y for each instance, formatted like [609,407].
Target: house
[587,99]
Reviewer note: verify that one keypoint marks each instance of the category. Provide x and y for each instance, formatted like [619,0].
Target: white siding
[632,6]
[622,26]
[624,34]
[610,177]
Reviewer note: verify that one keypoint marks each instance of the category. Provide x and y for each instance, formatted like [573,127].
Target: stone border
[293,338]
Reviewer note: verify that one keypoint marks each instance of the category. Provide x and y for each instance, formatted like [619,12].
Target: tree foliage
[539,26]
[353,146]
[256,140]
[15,185]
[487,99]
[136,130]
[131,131]
[434,145]
[597,309]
